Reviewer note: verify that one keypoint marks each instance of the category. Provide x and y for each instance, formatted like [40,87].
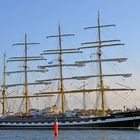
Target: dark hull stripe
[129,124]
[68,128]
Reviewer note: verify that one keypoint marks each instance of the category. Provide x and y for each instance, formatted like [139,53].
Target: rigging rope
[125,99]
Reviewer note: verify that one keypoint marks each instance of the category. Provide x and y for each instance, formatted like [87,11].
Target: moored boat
[100,119]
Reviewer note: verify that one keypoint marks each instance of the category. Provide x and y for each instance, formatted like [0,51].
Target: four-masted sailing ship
[102,120]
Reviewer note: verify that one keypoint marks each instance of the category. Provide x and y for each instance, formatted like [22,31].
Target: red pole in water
[56,127]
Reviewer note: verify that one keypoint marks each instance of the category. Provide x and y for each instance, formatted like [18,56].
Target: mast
[84,96]
[26,80]
[4,88]
[99,53]
[61,72]
[25,59]
[60,52]
[101,43]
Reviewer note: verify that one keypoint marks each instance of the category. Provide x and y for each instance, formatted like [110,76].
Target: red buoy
[56,127]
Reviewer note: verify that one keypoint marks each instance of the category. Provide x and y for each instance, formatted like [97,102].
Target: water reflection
[69,135]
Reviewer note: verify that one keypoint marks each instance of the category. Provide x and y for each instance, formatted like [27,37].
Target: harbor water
[69,135]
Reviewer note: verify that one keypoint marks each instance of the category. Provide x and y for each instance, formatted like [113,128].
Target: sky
[39,18]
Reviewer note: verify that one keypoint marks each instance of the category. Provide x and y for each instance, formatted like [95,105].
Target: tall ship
[97,118]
